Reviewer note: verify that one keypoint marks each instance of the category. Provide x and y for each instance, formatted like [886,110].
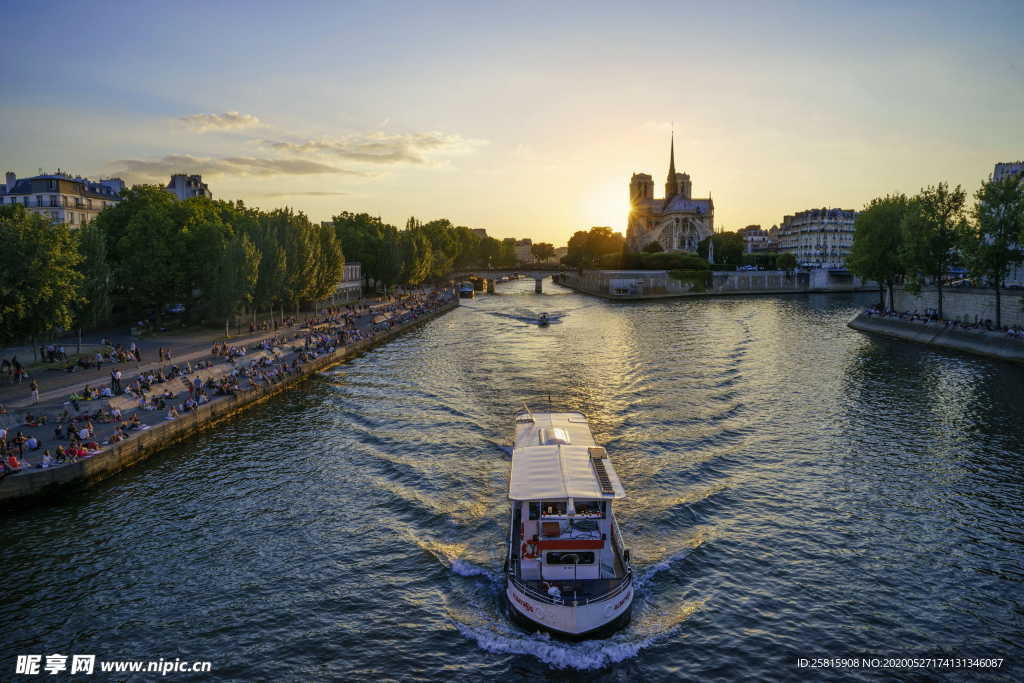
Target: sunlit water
[796,489]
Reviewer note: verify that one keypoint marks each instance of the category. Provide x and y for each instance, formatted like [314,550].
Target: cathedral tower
[641,186]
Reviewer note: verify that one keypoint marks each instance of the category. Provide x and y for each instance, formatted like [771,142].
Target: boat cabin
[562,488]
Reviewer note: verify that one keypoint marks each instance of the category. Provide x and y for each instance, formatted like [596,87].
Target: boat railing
[565,600]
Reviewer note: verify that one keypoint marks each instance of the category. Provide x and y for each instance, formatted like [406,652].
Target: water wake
[585,655]
[588,655]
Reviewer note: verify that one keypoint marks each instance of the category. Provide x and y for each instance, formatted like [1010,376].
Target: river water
[796,489]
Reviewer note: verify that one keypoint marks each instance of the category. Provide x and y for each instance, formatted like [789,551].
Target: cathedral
[678,222]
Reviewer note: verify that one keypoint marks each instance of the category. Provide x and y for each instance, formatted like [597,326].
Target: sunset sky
[523,118]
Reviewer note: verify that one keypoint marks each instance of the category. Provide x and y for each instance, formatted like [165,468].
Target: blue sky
[524,118]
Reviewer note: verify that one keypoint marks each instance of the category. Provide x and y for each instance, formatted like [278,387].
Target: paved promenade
[64,420]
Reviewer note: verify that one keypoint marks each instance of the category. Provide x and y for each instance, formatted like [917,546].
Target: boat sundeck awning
[552,472]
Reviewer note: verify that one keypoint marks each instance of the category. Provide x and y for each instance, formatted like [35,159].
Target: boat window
[590,508]
[551,508]
[570,558]
[534,511]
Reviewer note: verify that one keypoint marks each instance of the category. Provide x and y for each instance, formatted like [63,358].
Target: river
[795,489]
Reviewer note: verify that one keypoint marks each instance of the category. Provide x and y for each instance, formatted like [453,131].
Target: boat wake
[528,316]
[585,655]
[464,567]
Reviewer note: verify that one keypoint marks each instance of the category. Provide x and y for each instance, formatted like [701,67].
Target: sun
[606,204]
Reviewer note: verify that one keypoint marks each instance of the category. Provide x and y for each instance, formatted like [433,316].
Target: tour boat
[568,571]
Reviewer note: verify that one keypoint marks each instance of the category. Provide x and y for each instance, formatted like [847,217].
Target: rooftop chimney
[11,179]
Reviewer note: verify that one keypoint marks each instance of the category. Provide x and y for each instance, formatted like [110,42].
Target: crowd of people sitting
[156,391]
[931,316]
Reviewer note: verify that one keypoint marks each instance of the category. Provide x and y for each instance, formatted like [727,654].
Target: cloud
[164,167]
[229,120]
[381,148]
[304,194]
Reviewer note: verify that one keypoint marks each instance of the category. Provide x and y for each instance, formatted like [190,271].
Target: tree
[39,277]
[588,248]
[542,251]
[933,227]
[729,248]
[653,247]
[96,304]
[786,261]
[443,246]
[331,263]
[147,253]
[877,252]
[507,253]
[993,244]
[415,256]
[490,252]
[237,276]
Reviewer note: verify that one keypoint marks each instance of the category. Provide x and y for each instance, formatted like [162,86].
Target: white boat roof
[551,460]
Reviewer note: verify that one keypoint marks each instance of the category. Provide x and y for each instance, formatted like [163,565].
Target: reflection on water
[795,489]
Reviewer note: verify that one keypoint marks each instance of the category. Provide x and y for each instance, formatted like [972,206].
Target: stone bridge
[491,275]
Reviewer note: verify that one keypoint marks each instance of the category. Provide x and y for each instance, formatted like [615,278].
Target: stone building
[819,238]
[1009,168]
[677,221]
[755,239]
[185,186]
[74,201]
[1014,278]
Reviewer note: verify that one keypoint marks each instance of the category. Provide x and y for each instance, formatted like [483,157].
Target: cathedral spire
[672,157]
[672,183]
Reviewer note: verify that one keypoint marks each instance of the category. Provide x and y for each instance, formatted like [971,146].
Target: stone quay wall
[980,342]
[965,305]
[634,285]
[44,485]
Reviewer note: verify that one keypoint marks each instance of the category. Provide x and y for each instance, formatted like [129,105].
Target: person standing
[35,392]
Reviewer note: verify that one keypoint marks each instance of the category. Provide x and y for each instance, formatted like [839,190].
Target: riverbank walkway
[981,337]
[80,414]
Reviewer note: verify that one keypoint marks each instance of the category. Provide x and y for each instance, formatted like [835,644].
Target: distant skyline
[526,120]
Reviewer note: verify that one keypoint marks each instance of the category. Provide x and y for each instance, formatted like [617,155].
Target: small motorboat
[542,319]
[466,290]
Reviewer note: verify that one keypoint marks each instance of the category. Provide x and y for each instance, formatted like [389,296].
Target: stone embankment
[41,485]
[981,342]
[639,285]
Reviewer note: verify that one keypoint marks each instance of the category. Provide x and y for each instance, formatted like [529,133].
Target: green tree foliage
[237,276]
[662,261]
[39,276]
[653,247]
[507,253]
[542,251]
[147,251]
[877,252]
[444,242]
[331,260]
[96,305]
[729,247]
[994,242]
[933,227]
[587,248]
[786,261]
[416,256]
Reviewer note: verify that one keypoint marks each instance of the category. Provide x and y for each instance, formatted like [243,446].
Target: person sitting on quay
[135,423]
[171,413]
[48,460]
[32,443]
[13,462]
